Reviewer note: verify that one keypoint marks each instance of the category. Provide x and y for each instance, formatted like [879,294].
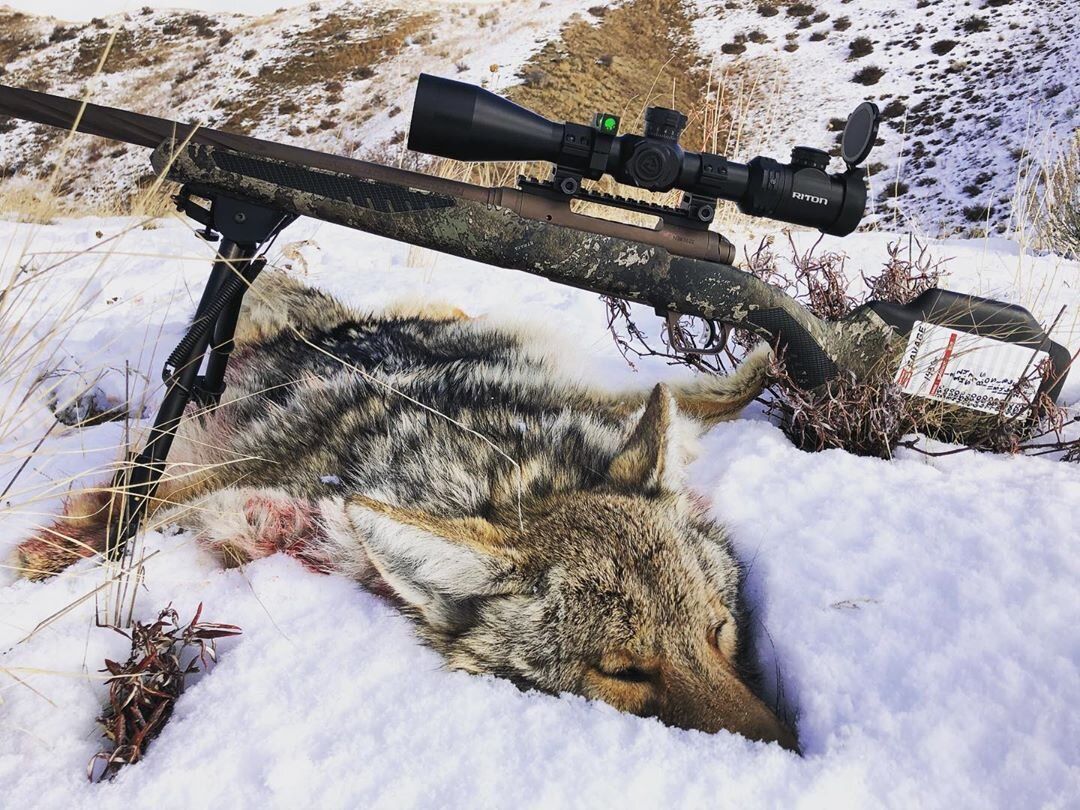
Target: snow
[922,612]
[73,11]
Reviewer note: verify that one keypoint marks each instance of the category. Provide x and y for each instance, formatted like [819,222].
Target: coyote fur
[532,527]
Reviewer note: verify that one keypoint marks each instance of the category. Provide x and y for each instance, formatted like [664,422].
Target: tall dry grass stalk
[1046,203]
[34,323]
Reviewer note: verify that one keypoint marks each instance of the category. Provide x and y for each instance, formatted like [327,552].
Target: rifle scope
[457,120]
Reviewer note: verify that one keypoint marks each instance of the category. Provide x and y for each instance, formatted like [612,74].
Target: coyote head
[623,592]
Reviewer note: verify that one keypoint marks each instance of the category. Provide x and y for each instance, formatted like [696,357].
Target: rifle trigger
[677,340]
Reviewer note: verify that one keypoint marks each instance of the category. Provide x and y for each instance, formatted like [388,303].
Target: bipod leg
[245,228]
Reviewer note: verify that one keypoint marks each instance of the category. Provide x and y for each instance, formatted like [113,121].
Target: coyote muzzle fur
[533,528]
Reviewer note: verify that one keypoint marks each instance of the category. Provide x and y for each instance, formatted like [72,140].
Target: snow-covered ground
[923,611]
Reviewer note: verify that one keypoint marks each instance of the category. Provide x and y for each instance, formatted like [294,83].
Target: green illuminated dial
[607,123]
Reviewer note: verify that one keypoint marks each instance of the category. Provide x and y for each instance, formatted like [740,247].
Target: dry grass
[1046,203]
[19,34]
[1059,226]
[638,54]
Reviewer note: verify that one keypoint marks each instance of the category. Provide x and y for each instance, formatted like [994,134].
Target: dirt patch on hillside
[331,53]
[19,34]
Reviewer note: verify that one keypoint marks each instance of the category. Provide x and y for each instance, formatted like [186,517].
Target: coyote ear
[433,564]
[645,462]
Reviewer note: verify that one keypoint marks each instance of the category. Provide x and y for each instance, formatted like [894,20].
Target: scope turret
[461,121]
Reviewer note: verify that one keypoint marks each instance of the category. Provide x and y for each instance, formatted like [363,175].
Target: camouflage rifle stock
[256,187]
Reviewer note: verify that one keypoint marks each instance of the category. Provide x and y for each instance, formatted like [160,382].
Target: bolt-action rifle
[244,191]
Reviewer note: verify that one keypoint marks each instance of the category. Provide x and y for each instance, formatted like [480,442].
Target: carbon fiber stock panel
[384,197]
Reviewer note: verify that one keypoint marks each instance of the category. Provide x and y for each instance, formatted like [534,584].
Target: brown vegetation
[863,416]
[143,690]
[340,48]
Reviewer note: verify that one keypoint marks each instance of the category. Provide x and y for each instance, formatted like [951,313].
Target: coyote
[532,527]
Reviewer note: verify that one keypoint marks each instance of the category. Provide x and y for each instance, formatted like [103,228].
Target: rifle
[251,189]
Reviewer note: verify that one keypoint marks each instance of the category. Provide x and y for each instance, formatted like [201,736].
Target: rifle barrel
[150,132]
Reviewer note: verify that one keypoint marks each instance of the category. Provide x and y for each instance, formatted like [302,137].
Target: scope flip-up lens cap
[860,132]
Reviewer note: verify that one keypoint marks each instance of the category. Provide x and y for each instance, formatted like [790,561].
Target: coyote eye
[630,675]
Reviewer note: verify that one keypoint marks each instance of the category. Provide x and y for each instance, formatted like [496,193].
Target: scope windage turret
[464,122]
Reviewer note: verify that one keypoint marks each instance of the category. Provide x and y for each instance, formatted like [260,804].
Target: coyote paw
[82,531]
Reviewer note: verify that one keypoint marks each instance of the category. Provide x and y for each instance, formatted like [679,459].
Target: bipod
[245,230]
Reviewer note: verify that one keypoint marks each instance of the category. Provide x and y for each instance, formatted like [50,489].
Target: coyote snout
[532,528]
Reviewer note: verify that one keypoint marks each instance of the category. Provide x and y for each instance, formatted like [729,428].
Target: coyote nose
[726,704]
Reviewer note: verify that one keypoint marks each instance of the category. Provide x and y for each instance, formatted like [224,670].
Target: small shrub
[894,109]
[63,34]
[895,189]
[143,691]
[1060,226]
[534,78]
[942,46]
[860,47]
[975,213]
[767,10]
[868,76]
[975,24]
[800,10]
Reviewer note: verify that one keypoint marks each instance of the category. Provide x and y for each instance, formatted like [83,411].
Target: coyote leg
[244,524]
[81,531]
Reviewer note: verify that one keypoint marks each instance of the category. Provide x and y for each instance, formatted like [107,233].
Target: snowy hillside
[974,92]
[970,90]
[921,612]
